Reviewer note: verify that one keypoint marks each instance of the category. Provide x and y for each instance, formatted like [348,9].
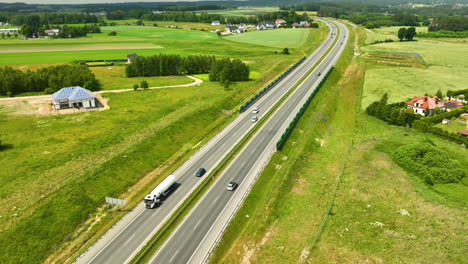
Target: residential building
[270,25]
[9,30]
[130,57]
[233,29]
[243,27]
[52,32]
[261,26]
[446,121]
[303,23]
[452,104]
[73,97]
[280,22]
[215,23]
[424,105]
[295,25]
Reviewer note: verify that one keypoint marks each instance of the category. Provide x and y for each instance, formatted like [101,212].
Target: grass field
[383,33]
[282,219]
[446,70]
[113,77]
[278,38]
[85,157]
[242,11]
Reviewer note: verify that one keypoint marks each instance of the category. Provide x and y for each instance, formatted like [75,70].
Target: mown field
[383,33]
[243,11]
[278,38]
[71,162]
[444,69]
[333,194]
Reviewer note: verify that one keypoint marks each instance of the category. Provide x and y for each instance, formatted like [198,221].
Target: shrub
[112,33]
[135,87]
[144,84]
[429,163]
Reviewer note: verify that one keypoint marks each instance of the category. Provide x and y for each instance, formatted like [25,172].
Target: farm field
[383,33]
[81,154]
[282,219]
[278,38]
[446,66]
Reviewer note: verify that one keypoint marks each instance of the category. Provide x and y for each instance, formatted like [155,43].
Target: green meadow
[444,69]
[87,156]
[243,11]
[278,38]
[334,195]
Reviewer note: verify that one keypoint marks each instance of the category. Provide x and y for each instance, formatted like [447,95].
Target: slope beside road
[195,237]
[126,238]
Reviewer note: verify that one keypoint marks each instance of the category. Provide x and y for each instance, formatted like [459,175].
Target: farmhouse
[73,97]
[215,23]
[130,57]
[423,105]
[295,25]
[233,29]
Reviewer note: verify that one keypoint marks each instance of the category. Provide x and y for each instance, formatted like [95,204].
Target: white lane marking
[174,256]
[129,239]
[199,221]
[214,201]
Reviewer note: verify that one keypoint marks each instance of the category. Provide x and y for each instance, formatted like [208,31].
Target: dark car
[200,172]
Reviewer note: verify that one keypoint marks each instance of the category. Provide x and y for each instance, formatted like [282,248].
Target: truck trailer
[161,191]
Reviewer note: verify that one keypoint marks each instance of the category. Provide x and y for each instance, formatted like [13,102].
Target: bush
[285,51]
[112,33]
[429,163]
[144,84]
[135,87]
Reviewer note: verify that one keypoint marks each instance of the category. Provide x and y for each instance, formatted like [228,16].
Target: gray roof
[72,93]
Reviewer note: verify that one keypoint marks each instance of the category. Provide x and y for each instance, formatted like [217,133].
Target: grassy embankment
[281,220]
[72,162]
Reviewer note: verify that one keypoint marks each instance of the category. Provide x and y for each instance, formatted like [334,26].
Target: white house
[261,26]
[215,23]
[424,105]
[303,23]
[280,22]
[233,29]
[130,57]
[9,30]
[73,97]
[52,32]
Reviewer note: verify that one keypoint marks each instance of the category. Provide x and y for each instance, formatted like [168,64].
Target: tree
[439,94]
[410,33]
[135,87]
[112,33]
[285,51]
[144,84]
[402,34]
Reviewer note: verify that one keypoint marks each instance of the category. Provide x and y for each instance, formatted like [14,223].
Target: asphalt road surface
[190,234]
[122,242]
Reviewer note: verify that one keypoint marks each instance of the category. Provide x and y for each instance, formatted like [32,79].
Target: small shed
[73,97]
[215,23]
[446,121]
[130,57]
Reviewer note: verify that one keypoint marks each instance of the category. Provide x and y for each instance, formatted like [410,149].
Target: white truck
[154,198]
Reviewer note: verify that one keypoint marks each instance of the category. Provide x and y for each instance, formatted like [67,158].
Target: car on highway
[254,119]
[255,110]
[318,74]
[200,172]
[231,186]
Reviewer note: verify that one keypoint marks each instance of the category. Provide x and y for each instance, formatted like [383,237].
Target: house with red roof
[452,104]
[424,105]
[279,22]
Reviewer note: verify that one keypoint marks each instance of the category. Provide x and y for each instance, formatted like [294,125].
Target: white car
[231,186]
[254,119]
[255,110]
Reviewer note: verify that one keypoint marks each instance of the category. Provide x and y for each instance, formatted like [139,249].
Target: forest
[48,80]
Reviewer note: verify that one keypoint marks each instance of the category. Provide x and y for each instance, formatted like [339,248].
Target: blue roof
[72,93]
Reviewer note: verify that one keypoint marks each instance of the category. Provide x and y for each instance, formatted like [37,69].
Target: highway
[127,237]
[194,238]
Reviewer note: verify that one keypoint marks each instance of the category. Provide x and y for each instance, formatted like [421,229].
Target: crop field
[380,214]
[278,38]
[87,156]
[446,70]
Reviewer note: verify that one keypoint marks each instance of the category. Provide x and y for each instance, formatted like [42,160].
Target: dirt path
[47,97]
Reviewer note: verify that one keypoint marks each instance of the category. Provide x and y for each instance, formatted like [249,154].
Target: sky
[86,1]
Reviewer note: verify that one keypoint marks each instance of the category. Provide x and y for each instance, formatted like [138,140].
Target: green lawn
[278,38]
[242,11]
[447,63]
[456,125]
[113,77]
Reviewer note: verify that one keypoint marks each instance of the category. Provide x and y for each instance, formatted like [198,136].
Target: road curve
[195,237]
[127,237]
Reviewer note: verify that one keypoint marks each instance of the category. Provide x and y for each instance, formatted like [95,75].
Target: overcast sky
[85,1]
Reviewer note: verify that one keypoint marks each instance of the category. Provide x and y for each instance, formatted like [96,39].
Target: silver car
[231,186]
[254,119]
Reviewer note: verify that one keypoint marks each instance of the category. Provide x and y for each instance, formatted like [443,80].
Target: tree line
[65,31]
[37,20]
[449,23]
[406,33]
[165,65]
[49,79]
[222,70]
